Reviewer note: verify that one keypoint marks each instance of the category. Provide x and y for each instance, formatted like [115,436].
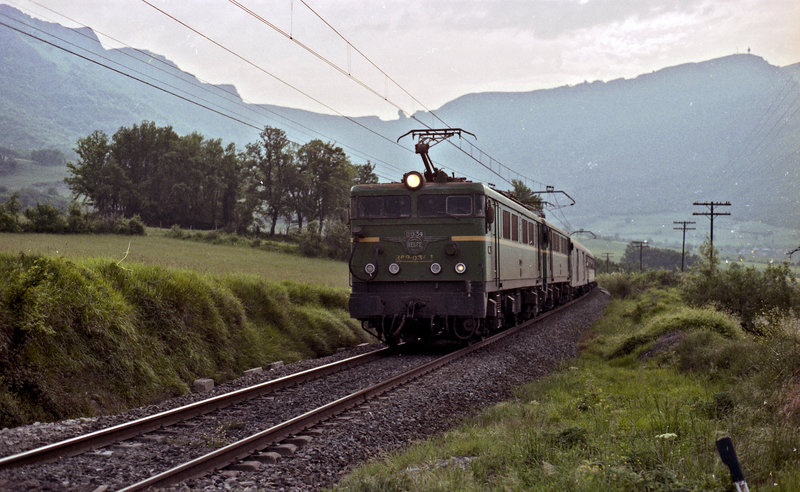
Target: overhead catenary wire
[346,73]
[55,45]
[221,110]
[415,99]
[266,72]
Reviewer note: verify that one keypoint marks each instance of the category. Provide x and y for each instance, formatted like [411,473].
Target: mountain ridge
[721,129]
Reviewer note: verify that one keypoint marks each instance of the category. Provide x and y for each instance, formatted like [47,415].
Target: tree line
[195,182]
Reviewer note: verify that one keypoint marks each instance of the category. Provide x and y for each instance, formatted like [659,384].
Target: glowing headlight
[412,180]
[394,268]
[436,268]
[369,268]
[461,268]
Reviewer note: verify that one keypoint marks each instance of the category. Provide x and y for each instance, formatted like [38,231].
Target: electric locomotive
[438,257]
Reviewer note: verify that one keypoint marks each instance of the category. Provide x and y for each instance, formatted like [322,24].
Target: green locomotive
[436,257]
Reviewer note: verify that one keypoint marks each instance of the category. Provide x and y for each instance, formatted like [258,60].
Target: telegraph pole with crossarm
[683,227]
[641,244]
[711,214]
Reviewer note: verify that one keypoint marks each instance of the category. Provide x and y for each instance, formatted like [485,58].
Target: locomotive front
[418,260]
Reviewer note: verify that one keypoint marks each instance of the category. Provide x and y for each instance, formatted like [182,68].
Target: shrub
[624,284]
[746,292]
[9,215]
[175,231]
[45,218]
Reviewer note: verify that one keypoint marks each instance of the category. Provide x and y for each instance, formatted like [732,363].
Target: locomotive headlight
[370,269]
[461,268]
[412,180]
[394,268]
[436,268]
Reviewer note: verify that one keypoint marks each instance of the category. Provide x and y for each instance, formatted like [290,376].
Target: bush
[81,337]
[333,243]
[745,292]
[624,284]
[310,241]
[45,218]
[9,215]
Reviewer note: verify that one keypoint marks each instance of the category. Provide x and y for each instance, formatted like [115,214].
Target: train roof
[460,187]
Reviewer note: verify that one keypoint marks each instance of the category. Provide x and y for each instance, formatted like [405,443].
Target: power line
[288,35]
[129,75]
[261,69]
[711,214]
[239,102]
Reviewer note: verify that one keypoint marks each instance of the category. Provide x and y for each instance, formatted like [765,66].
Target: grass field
[177,253]
[656,385]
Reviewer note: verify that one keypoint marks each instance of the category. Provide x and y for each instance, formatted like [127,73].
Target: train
[436,257]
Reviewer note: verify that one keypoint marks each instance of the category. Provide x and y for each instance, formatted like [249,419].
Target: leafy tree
[525,195]
[95,176]
[9,214]
[365,173]
[329,174]
[166,179]
[140,153]
[45,218]
[269,164]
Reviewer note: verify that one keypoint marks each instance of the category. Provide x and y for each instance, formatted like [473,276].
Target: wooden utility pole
[683,227]
[711,214]
[641,244]
[607,255]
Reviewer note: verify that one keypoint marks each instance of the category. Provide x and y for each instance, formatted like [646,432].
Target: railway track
[115,434]
[254,442]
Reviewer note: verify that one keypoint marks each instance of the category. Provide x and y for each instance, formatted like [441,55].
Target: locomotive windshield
[444,205]
[389,206]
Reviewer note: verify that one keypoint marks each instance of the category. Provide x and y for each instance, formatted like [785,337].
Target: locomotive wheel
[465,329]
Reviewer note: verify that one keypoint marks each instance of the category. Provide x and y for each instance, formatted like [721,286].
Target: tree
[142,153]
[150,171]
[329,174]
[269,164]
[95,176]
[525,195]
[9,214]
[365,173]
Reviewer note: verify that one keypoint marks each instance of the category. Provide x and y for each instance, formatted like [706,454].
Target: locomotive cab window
[444,205]
[389,206]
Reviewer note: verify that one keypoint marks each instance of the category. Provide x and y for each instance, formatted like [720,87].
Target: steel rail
[245,447]
[127,430]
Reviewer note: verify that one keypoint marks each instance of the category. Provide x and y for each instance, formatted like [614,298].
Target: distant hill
[724,129]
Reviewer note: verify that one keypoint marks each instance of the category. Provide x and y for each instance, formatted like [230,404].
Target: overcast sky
[436,50]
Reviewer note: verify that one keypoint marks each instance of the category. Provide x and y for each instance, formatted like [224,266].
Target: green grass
[157,249]
[91,336]
[657,383]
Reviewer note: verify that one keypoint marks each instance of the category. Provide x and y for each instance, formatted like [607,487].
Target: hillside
[724,129]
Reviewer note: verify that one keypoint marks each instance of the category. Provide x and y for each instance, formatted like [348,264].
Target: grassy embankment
[82,336]
[657,383]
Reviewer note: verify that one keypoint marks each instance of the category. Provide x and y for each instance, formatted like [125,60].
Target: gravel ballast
[431,404]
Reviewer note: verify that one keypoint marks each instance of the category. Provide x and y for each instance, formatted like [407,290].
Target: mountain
[726,129]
